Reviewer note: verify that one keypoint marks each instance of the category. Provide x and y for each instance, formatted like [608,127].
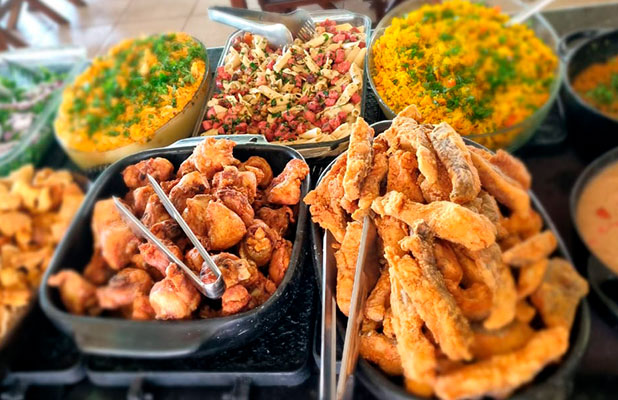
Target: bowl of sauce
[594,208]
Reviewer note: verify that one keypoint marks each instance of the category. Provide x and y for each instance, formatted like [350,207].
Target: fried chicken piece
[97,272]
[195,213]
[260,164]
[524,312]
[167,230]
[424,284]
[260,290]
[559,294]
[136,175]
[186,167]
[403,175]
[77,294]
[278,219]
[285,188]
[225,227]
[475,301]
[237,202]
[390,232]
[504,340]
[112,236]
[449,221]
[325,201]
[360,156]
[280,261]
[530,277]
[211,155]
[379,298]
[141,309]
[452,151]
[194,260]
[346,258]
[139,199]
[381,351]
[497,276]
[123,288]
[259,243]
[155,257]
[524,225]
[531,250]
[418,358]
[370,188]
[447,263]
[234,300]
[189,186]
[235,270]
[500,375]
[154,212]
[244,182]
[174,297]
[504,189]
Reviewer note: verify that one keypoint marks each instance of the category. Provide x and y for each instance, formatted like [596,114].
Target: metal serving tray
[308,150]
[161,339]
[552,382]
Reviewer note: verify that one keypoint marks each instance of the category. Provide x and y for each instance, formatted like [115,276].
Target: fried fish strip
[346,258]
[325,201]
[403,175]
[524,312]
[370,189]
[531,250]
[382,351]
[474,301]
[425,286]
[512,167]
[504,340]
[559,294]
[447,220]
[360,156]
[500,375]
[530,277]
[489,208]
[417,354]
[524,225]
[391,231]
[504,189]
[378,300]
[447,263]
[452,151]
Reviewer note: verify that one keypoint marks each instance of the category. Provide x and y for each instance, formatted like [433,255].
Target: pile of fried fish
[469,302]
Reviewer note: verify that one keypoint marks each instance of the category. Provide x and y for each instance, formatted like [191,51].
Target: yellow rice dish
[458,63]
[129,93]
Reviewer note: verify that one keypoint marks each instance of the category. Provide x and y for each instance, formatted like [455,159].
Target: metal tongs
[279,29]
[212,290]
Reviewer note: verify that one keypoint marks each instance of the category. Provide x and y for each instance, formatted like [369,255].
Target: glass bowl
[510,138]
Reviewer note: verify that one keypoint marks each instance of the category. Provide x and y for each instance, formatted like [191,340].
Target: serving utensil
[328,360]
[212,290]
[365,278]
[528,12]
[279,29]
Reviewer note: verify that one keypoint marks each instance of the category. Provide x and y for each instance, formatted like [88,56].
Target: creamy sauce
[597,216]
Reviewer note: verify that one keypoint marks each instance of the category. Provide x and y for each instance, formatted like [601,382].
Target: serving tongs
[279,29]
[213,290]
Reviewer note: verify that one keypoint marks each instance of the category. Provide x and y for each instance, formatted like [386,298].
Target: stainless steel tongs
[212,290]
[279,29]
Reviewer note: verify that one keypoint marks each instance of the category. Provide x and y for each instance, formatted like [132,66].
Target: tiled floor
[104,22]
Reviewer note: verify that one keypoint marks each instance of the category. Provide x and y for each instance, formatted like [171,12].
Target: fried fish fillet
[504,340]
[447,220]
[325,201]
[447,263]
[530,277]
[378,300]
[417,354]
[524,225]
[531,250]
[346,258]
[360,156]
[524,312]
[500,375]
[423,283]
[504,189]
[474,301]
[403,175]
[512,167]
[370,189]
[381,351]
[391,231]
[559,294]
[455,156]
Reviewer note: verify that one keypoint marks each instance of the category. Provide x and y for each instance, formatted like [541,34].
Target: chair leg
[38,5]
[79,3]
[8,37]
[16,8]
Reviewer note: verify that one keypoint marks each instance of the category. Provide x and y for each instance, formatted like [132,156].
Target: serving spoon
[528,12]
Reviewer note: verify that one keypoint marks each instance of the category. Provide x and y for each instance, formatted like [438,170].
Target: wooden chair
[283,5]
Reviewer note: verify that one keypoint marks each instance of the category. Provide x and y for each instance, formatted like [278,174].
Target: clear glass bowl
[512,137]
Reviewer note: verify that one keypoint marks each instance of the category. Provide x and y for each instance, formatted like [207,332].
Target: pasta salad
[308,92]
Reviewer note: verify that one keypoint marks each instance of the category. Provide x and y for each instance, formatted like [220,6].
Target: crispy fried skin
[97,272]
[418,358]
[211,155]
[174,297]
[259,163]
[278,219]
[524,312]
[285,188]
[500,375]
[139,199]
[504,189]
[237,202]
[115,239]
[452,151]
[381,351]
[370,189]
[346,258]
[189,185]
[243,182]
[504,340]
[325,201]
[124,288]
[225,228]
[234,300]
[447,263]
[378,300]
[512,167]
[387,322]
[234,270]
[475,301]
[391,231]
[559,294]
[360,157]
[280,261]
[489,207]
[154,212]
[155,257]
[403,175]
[136,175]
[77,294]
[531,250]
[530,277]
[449,221]
[259,243]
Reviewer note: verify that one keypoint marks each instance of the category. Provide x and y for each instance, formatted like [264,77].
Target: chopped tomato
[354,30]
[207,125]
[270,64]
[299,81]
[342,67]
[300,129]
[603,213]
[510,120]
[339,55]
[333,94]
[342,116]
[334,123]
[329,102]
[355,99]
[211,113]
[362,45]
[313,106]
[221,130]
[303,100]
[338,38]
[288,116]
[310,116]
[450,82]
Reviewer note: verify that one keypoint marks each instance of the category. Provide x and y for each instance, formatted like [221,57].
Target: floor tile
[209,32]
[97,12]
[142,10]
[91,38]
[134,29]
[202,6]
